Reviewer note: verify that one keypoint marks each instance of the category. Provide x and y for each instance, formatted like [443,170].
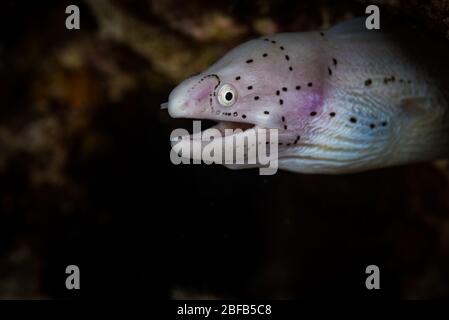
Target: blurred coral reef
[85,175]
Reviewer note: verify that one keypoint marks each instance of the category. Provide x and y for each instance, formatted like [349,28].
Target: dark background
[86,178]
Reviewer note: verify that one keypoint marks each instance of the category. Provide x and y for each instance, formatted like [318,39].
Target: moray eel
[343,100]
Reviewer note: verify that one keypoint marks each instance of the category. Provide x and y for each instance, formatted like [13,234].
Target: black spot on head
[332,114]
[368,82]
[266,39]
[372,125]
[401,80]
[384,124]
[353,120]
[334,61]
[250,87]
[298,87]
[330,71]
[313,113]
[273,41]
[281,47]
[322,34]
[249,61]
[277,92]
[290,68]
[391,79]
[256,98]
[309,84]
[283,119]
[287,57]
[281,102]
[297,139]
[244,116]
[266,112]
[284,89]
[237,78]
[285,127]
[264,55]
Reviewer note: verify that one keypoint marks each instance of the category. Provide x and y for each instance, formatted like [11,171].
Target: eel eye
[227,95]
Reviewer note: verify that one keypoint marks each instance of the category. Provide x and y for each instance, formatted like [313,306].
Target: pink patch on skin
[204,89]
[304,106]
[313,100]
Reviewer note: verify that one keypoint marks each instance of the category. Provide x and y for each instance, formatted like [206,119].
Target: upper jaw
[194,99]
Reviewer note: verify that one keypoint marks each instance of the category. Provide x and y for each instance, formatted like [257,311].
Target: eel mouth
[225,127]
[227,136]
[217,129]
